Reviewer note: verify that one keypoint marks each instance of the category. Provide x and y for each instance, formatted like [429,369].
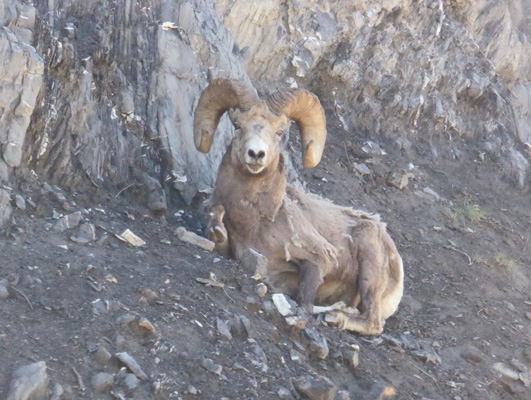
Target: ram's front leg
[216,230]
[310,278]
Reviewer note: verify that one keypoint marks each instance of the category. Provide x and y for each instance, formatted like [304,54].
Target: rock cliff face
[101,93]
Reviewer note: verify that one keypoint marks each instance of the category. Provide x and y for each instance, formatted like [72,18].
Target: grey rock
[57,392]
[284,393]
[317,345]
[343,395]
[146,325]
[86,234]
[192,238]
[102,355]
[29,381]
[101,382]
[191,390]
[260,289]
[351,356]
[255,263]
[4,294]
[211,366]
[132,365]
[315,388]
[223,329]
[5,208]
[130,382]
[20,202]
[67,222]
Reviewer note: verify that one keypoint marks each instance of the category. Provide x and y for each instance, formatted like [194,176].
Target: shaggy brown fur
[318,252]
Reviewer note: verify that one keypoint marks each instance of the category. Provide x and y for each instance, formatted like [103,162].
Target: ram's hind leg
[216,230]
[371,286]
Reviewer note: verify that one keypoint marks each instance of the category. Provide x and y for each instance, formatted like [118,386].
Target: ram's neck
[248,198]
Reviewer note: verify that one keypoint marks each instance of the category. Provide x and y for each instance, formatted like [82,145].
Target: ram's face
[258,138]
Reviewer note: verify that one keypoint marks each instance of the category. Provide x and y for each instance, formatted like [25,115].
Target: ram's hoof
[218,234]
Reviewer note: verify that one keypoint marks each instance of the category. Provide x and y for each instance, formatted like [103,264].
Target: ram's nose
[256,155]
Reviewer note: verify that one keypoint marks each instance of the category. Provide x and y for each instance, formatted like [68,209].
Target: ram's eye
[237,126]
[280,133]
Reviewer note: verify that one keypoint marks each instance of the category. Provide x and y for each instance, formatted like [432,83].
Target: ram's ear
[305,109]
[220,96]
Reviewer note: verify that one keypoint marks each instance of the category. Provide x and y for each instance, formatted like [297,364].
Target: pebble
[260,290]
[315,388]
[223,329]
[133,366]
[192,238]
[130,382]
[146,325]
[67,222]
[102,381]
[282,304]
[210,366]
[351,356]
[102,355]
[191,390]
[317,345]
[29,381]
[255,263]
[86,234]
[4,294]
[284,393]
[20,202]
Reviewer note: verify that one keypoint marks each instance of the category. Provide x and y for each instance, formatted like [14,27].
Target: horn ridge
[221,95]
[305,109]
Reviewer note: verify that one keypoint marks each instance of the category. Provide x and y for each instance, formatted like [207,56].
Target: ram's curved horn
[218,97]
[305,109]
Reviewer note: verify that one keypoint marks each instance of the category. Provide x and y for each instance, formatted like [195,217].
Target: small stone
[210,366]
[86,234]
[29,381]
[362,169]
[528,315]
[282,304]
[5,208]
[4,294]
[399,179]
[102,355]
[260,289]
[284,393]
[133,366]
[379,391]
[223,329]
[130,383]
[343,395]
[192,238]
[146,325]
[101,382]
[149,294]
[131,238]
[317,345]
[20,202]
[191,390]
[506,372]
[351,356]
[125,319]
[255,263]
[473,358]
[427,356]
[67,222]
[315,388]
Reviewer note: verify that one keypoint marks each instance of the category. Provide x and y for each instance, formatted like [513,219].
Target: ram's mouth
[254,168]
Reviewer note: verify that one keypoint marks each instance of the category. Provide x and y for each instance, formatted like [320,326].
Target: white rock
[282,305]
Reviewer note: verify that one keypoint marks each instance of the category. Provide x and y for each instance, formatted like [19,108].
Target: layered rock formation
[101,93]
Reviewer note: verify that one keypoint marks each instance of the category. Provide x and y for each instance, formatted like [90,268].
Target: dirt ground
[462,330]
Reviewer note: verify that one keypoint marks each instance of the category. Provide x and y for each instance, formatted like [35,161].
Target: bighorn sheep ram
[318,252]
